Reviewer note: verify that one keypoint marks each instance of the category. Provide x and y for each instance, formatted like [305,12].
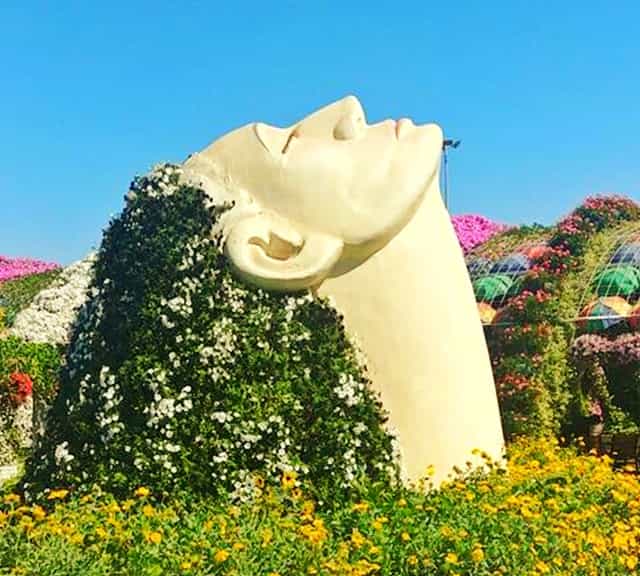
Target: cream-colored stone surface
[412,308]
[354,211]
[321,196]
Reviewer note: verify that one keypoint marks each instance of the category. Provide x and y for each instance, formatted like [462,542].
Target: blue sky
[544,95]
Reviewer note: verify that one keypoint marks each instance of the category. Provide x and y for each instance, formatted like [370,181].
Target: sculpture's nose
[321,123]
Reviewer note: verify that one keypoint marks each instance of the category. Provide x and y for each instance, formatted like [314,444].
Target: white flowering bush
[51,315]
[180,378]
[15,430]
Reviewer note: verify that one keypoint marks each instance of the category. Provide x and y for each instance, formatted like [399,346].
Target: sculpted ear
[268,251]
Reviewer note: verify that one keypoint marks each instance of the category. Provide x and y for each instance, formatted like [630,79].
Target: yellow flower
[101,532]
[154,537]
[451,558]
[220,556]
[315,532]
[632,562]
[267,536]
[186,565]
[11,499]
[38,512]
[357,539]
[259,482]
[76,538]
[289,479]
[112,508]
[405,536]
[412,560]
[542,567]
[296,493]
[477,554]
[57,494]
[360,507]
[238,546]
[379,522]
[148,510]
[142,492]
[402,502]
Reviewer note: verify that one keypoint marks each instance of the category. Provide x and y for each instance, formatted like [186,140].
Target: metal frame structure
[517,276]
[591,291]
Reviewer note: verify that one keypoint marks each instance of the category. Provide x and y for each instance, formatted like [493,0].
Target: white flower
[52,314]
[62,454]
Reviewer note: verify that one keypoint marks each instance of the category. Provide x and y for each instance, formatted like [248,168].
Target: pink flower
[11,268]
[473,230]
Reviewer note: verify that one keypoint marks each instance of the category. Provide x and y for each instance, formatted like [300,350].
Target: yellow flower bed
[550,512]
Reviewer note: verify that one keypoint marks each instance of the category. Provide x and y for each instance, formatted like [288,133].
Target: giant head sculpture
[316,199]
[181,374]
[353,210]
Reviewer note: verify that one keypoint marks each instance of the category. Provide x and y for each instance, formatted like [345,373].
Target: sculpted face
[320,197]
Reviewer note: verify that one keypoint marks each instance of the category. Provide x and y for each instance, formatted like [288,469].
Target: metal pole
[446,177]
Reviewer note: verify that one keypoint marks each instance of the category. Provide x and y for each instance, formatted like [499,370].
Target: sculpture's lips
[403,126]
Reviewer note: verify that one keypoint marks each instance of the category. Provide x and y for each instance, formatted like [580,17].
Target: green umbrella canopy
[492,287]
[621,280]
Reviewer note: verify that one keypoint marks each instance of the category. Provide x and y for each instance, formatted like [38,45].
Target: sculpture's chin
[386,225]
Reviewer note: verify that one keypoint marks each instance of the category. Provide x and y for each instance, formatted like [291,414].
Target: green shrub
[41,362]
[181,378]
[17,294]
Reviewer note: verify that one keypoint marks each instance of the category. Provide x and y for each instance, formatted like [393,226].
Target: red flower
[21,387]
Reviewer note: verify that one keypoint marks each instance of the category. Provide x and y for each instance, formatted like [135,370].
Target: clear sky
[544,95]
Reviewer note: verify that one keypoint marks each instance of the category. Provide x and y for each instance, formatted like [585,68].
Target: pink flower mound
[473,229]
[17,267]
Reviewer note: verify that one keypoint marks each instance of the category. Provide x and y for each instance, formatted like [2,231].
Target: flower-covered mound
[551,513]
[181,378]
[52,313]
[542,388]
[17,267]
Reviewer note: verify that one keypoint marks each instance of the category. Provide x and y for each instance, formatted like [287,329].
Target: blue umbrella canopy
[512,264]
[627,254]
[478,265]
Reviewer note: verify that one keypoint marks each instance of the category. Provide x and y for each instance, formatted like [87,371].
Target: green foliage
[552,512]
[17,294]
[507,241]
[41,362]
[536,382]
[181,378]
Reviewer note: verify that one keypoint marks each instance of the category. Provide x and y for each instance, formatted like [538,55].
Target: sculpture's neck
[412,308]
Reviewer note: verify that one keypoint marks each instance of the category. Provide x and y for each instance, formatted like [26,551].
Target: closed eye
[294,134]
